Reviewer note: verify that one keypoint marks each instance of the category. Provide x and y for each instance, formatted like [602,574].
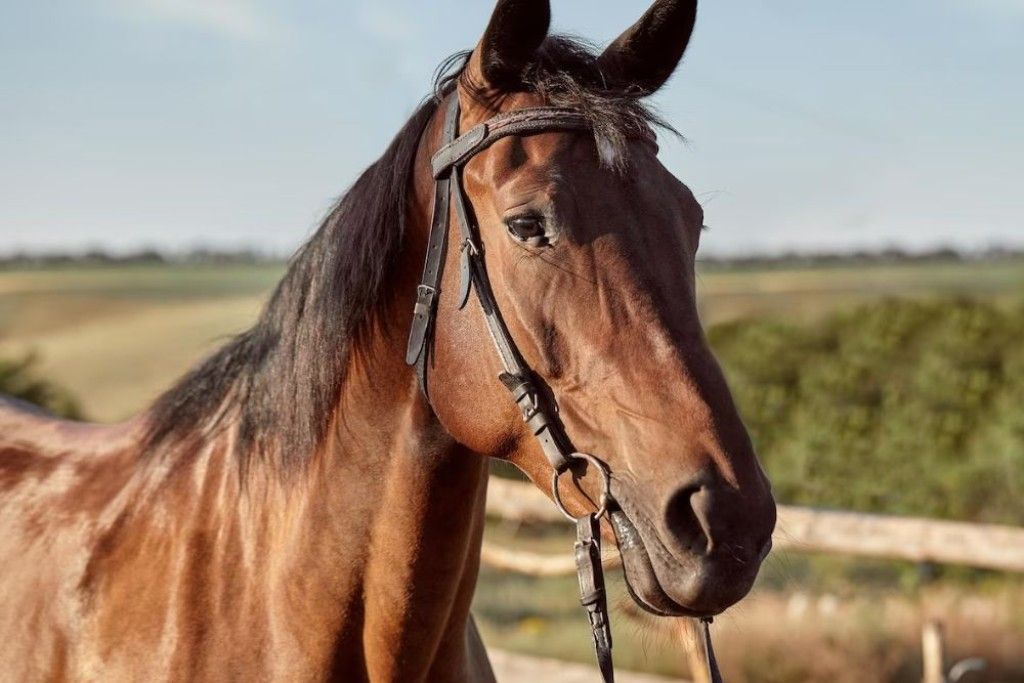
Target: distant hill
[100,257]
[860,257]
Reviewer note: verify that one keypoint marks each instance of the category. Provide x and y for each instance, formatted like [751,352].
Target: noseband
[539,413]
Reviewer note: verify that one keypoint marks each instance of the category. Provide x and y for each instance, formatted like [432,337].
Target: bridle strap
[421,333]
[714,675]
[517,376]
[539,413]
[447,164]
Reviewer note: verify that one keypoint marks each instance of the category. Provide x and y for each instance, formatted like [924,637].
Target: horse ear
[647,53]
[515,31]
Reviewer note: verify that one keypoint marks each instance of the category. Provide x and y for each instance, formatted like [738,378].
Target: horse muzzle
[697,559]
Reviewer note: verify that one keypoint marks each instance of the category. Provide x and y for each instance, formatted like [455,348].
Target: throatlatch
[538,412]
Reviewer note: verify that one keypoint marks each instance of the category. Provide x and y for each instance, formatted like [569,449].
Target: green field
[116,336]
[803,294]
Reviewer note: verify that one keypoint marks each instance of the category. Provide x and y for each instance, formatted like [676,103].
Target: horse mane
[280,380]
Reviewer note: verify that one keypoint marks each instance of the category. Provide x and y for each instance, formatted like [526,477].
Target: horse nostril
[687,517]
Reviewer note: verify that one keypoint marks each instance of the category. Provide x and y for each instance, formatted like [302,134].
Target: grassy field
[808,293]
[117,336]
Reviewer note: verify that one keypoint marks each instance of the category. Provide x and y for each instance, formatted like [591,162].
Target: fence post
[933,652]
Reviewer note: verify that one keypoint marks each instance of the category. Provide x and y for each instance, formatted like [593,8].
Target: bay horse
[296,508]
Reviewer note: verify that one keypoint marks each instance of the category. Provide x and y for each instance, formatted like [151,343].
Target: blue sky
[176,123]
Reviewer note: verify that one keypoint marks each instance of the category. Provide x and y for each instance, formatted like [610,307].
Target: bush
[904,407]
[18,379]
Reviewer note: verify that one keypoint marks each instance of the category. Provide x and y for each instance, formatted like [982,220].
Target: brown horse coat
[294,509]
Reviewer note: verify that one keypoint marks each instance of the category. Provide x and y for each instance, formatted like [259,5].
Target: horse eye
[527,229]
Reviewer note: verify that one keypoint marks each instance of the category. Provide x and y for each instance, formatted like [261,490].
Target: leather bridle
[538,411]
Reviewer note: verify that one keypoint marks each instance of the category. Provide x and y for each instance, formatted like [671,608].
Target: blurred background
[862,278]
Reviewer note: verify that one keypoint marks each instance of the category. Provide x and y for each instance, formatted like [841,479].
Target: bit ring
[606,493]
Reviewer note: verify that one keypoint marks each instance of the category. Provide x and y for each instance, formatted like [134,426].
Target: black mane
[282,378]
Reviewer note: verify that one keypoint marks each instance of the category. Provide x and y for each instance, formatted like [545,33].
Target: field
[117,336]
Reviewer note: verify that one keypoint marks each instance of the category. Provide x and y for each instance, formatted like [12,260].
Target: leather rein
[539,413]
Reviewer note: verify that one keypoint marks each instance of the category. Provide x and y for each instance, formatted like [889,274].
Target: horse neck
[366,558]
[419,496]
[368,555]
[410,502]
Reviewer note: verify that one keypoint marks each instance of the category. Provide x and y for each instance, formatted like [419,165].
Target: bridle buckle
[425,297]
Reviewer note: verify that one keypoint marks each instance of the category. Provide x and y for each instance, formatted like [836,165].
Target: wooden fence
[987,546]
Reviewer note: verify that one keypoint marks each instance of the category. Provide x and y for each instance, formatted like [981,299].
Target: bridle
[538,411]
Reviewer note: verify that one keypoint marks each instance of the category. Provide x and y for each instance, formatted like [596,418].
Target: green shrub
[905,407]
[18,379]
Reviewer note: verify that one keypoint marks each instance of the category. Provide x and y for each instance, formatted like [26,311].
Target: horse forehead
[557,157]
[576,173]
[530,164]
[563,169]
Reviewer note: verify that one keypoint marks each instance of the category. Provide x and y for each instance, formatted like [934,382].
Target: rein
[539,413]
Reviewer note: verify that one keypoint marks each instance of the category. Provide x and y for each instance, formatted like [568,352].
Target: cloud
[243,20]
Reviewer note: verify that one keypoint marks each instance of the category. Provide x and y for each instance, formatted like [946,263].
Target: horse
[298,508]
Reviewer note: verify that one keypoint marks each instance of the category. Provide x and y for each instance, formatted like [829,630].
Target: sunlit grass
[117,336]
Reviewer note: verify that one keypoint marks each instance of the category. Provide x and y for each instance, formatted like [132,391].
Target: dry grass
[116,337]
[793,628]
[808,293]
[122,357]
[770,637]
[775,638]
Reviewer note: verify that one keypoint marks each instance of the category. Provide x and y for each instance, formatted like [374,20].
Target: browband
[519,122]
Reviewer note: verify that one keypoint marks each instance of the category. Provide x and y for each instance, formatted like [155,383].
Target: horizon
[176,124]
[199,254]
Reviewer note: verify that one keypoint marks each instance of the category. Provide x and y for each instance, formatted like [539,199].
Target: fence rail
[987,546]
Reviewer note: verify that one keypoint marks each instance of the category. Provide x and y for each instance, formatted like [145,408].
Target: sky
[236,123]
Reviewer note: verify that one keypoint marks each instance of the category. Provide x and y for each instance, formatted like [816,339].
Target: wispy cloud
[244,20]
